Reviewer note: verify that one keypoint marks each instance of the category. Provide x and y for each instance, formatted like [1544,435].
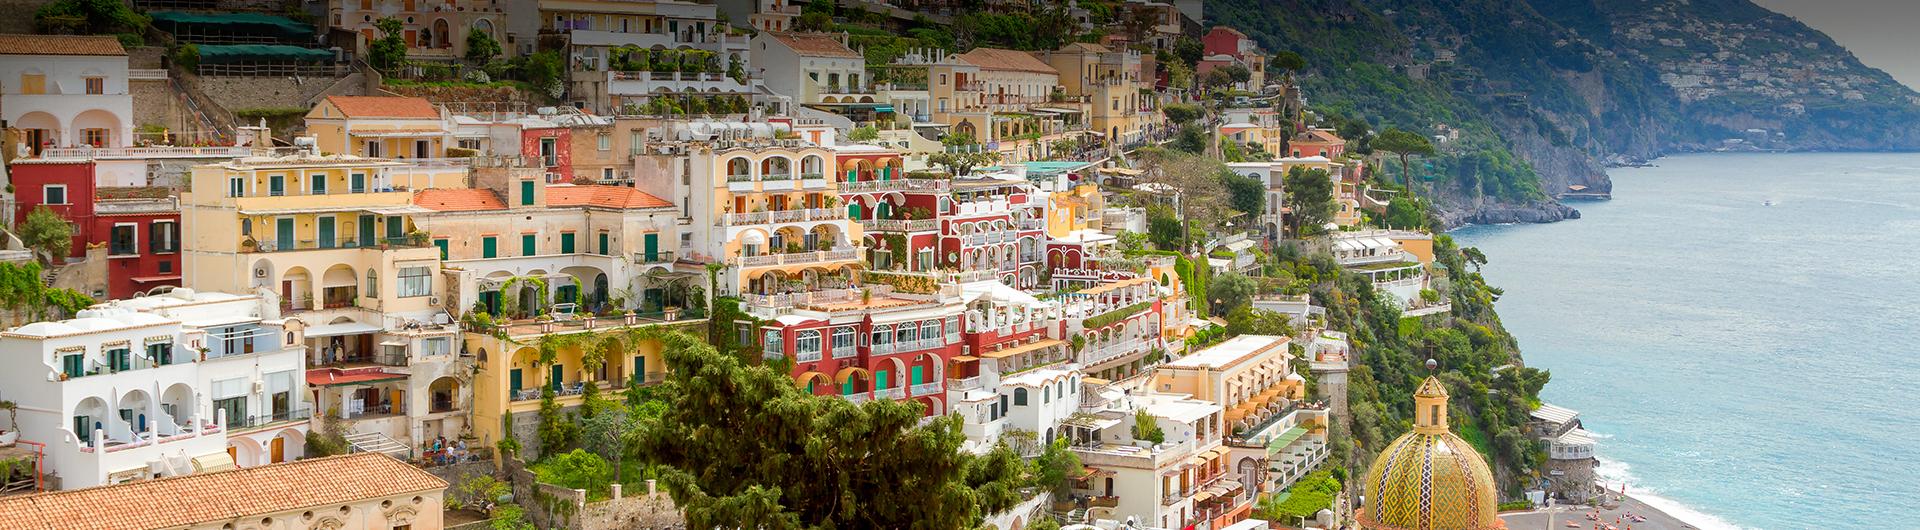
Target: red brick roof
[602,196]
[384,107]
[201,498]
[816,45]
[998,59]
[14,44]
[458,199]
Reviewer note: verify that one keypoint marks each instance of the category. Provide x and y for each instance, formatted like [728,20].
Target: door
[513,379]
[366,231]
[603,244]
[555,381]
[884,211]
[853,211]
[283,231]
[326,232]
[421,149]
[652,244]
[880,380]
[277,450]
[917,376]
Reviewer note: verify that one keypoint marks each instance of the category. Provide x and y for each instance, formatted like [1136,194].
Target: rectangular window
[318,183]
[54,194]
[276,185]
[119,359]
[122,241]
[882,336]
[163,236]
[806,347]
[549,152]
[31,84]
[770,342]
[435,347]
[489,247]
[357,183]
[930,330]
[566,242]
[236,187]
[442,243]
[606,142]
[94,137]
[161,353]
[633,142]
[526,193]
[415,281]
[373,148]
[74,365]
[529,245]
[236,408]
[842,340]
[603,244]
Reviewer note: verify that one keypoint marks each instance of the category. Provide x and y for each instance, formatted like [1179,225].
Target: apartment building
[434,30]
[1177,482]
[65,91]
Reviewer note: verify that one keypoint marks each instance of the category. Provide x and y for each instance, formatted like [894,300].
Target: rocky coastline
[1490,214]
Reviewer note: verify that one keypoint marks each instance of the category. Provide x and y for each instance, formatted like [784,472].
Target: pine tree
[744,447]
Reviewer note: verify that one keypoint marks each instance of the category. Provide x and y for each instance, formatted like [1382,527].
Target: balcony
[970,383]
[146,152]
[1099,355]
[272,245]
[988,238]
[823,296]
[857,398]
[900,225]
[896,184]
[797,258]
[890,393]
[653,258]
[926,389]
[264,420]
[783,216]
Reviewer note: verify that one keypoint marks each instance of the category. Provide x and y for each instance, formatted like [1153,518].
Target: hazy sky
[1880,32]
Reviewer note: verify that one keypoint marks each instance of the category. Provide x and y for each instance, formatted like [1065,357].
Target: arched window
[373,284]
[739,169]
[1046,394]
[1020,397]
[246,227]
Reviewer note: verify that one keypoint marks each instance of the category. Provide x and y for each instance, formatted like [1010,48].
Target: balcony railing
[900,225]
[857,398]
[890,393]
[898,184]
[248,422]
[783,216]
[1110,352]
[924,389]
[989,238]
[970,383]
[658,256]
[822,296]
[271,245]
[796,258]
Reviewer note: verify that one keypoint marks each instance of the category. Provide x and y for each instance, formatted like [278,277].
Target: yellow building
[1248,374]
[381,126]
[1346,186]
[512,376]
[1110,84]
[332,239]
[1429,478]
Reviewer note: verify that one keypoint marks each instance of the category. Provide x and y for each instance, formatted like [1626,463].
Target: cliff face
[1567,87]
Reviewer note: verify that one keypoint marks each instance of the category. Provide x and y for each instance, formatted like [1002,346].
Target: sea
[1741,330]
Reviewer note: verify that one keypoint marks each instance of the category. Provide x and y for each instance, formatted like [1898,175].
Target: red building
[989,227]
[140,227]
[886,347]
[551,144]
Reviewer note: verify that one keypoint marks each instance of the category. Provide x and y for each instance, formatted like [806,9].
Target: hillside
[1567,86]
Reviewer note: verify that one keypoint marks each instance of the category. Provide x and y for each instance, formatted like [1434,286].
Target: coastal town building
[1570,461]
[65,91]
[1178,481]
[1429,477]
[622,55]
[361,491]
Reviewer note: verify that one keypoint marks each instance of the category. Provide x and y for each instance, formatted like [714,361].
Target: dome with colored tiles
[1429,479]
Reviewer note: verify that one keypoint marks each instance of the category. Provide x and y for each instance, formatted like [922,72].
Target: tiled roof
[1086,47]
[998,59]
[602,196]
[201,498]
[1322,135]
[384,107]
[816,45]
[458,199]
[13,44]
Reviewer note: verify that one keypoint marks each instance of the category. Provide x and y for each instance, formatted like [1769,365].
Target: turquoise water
[1747,364]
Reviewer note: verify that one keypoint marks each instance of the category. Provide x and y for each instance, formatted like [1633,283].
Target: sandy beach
[1559,515]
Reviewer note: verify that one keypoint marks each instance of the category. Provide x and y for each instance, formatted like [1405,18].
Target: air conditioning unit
[259,386]
[434,300]
[259,273]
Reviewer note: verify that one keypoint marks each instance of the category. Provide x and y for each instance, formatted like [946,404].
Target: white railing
[783,216]
[807,357]
[1033,224]
[971,383]
[890,393]
[924,389]
[796,258]
[898,184]
[900,225]
[144,152]
[1110,352]
[989,238]
[823,296]
[857,398]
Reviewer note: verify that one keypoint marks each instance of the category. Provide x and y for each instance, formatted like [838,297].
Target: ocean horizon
[1733,327]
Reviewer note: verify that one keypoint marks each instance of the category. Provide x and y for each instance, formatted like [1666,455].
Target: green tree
[742,446]
[47,233]
[1056,467]
[1182,113]
[1189,50]
[736,69]
[510,517]
[1229,291]
[1404,144]
[90,17]
[814,21]
[863,134]
[579,470]
[1287,61]
[608,433]
[1146,428]
[481,47]
[963,153]
[1246,194]
[1310,195]
[1163,227]
[546,71]
[387,52]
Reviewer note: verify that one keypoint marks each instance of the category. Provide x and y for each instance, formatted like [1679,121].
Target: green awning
[242,53]
[241,24]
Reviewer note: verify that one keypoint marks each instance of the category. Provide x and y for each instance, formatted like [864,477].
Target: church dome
[1429,479]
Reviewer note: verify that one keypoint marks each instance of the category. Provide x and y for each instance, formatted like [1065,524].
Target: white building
[812,68]
[64,91]
[1165,484]
[156,387]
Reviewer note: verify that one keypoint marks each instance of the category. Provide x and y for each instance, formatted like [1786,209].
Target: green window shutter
[639,367]
[603,244]
[527,245]
[651,242]
[514,377]
[918,375]
[396,227]
[366,231]
[880,380]
[526,193]
[566,242]
[846,388]
[489,247]
[556,380]
[442,243]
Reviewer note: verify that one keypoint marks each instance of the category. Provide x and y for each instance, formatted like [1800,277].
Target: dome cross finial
[1433,366]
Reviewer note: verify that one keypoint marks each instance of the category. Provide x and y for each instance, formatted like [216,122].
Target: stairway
[373,442]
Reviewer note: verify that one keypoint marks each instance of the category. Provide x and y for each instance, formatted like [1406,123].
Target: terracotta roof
[1086,47]
[602,196]
[1322,135]
[384,107]
[201,498]
[458,199]
[998,59]
[816,45]
[13,44]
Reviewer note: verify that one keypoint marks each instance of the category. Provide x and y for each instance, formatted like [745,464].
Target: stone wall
[88,275]
[554,507]
[238,94]
[22,19]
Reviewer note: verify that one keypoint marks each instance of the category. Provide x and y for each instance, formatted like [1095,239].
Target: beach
[1559,515]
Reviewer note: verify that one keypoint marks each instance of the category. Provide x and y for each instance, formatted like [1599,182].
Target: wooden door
[277,450]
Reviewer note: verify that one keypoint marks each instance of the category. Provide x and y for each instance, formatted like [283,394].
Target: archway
[38,129]
[287,446]
[98,128]
[441,39]
[245,451]
[88,416]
